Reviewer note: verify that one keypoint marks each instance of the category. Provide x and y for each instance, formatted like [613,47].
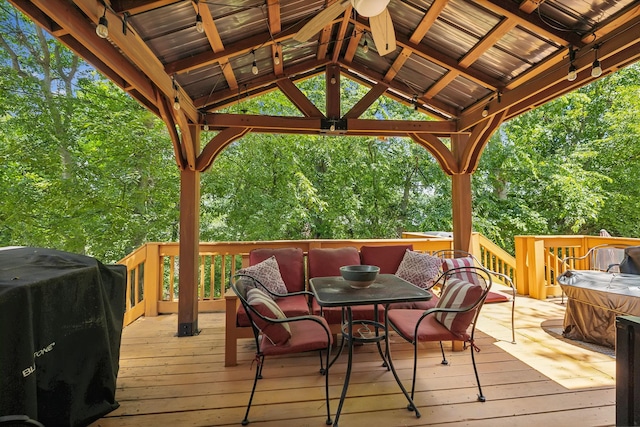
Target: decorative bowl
[359,276]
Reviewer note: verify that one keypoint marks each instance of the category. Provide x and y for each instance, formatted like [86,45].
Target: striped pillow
[277,333]
[467,275]
[458,294]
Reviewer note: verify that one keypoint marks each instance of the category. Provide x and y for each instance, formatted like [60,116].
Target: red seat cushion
[325,262]
[388,258]
[290,261]
[306,335]
[416,305]
[430,329]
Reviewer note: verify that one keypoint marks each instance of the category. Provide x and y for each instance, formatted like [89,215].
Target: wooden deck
[541,380]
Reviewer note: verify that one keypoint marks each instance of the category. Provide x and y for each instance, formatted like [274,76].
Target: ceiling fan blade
[321,20]
[383,34]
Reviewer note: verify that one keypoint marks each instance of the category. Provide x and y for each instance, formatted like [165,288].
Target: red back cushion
[388,258]
[458,294]
[290,262]
[324,262]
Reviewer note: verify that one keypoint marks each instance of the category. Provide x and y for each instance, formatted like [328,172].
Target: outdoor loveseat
[296,268]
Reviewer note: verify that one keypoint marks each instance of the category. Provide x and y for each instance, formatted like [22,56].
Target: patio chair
[606,257]
[453,318]
[459,258]
[276,334]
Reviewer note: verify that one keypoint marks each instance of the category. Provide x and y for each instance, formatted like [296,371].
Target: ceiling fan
[379,19]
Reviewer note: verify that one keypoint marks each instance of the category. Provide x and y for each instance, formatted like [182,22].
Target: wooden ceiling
[468,65]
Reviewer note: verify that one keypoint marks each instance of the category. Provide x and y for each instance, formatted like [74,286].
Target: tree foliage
[86,169]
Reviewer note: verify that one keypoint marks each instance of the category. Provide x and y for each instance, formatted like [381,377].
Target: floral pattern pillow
[267,272]
[419,269]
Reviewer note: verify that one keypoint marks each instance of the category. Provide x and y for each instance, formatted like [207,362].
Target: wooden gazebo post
[461,195]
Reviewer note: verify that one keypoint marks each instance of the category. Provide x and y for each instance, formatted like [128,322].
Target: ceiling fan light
[369,8]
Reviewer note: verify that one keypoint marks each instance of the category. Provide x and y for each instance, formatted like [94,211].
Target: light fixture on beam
[199,24]
[102,30]
[176,99]
[485,112]
[573,72]
[254,66]
[596,68]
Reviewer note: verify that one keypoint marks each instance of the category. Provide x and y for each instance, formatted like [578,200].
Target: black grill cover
[61,320]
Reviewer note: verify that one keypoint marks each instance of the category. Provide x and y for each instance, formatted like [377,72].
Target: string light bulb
[199,24]
[102,30]
[254,66]
[596,68]
[206,126]
[176,103]
[276,57]
[333,79]
[573,72]
[365,47]
[485,112]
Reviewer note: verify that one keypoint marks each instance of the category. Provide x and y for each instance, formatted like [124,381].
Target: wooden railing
[153,285]
[539,260]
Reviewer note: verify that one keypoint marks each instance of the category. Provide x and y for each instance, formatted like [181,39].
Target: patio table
[594,299]
[387,289]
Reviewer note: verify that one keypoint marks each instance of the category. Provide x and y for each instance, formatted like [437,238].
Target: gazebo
[468,65]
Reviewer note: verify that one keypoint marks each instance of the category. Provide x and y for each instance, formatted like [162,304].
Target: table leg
[411,406]
[347,375]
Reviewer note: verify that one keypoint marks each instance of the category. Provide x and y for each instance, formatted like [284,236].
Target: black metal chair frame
[458,253]
[477,305]
[252,313]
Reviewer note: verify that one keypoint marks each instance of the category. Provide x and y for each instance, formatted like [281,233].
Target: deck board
[541,380]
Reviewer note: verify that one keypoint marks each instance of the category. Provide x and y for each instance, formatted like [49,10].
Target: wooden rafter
[342,31]
[366,101]
[217,144]
[275,26]
[213,36]
[299,99]
[554,83]
[487,42]
[440,152]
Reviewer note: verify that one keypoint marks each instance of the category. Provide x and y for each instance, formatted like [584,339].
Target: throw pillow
[465,274]
[458,294]
[277,333]
[419,269]
[268,273]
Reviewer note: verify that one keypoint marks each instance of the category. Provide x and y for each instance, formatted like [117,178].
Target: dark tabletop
[387,289]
